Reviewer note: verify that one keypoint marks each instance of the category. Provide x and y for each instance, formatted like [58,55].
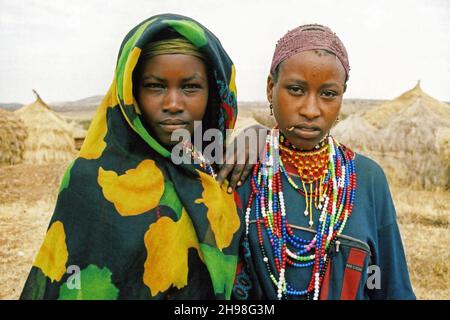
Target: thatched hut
[262,116]
[410,138]
[12,138]
[79,134]
[50,137]
[382,114]
[357,134]
[443,144]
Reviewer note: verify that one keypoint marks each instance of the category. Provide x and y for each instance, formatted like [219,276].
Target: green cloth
[130,224]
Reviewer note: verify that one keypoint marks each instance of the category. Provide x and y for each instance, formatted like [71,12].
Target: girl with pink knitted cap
[320,220]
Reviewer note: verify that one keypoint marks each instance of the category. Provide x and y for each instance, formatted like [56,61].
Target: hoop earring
[271,109]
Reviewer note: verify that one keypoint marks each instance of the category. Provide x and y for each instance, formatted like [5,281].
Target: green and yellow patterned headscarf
[128,223]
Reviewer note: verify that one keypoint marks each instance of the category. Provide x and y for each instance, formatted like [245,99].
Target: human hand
[241,155]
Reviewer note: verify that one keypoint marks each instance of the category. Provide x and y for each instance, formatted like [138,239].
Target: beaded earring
[271,109]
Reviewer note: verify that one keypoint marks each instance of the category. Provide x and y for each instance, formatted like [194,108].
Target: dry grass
[12,138]
[424,219]
[443,144]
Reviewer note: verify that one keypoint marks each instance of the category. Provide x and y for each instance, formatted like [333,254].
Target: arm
[389,252]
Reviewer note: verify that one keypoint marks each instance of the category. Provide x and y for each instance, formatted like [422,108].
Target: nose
[173,102]
[309,107]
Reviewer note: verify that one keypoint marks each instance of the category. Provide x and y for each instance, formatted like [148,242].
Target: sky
[67,49]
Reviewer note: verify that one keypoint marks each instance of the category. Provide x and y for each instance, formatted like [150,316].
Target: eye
[296,90]
[329,94]
[192,87]
[154,86]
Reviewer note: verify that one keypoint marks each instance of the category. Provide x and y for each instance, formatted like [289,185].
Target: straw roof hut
[263,117]
[12,138]
[50,137]
[443,144]
[357,134]
[409,137]
[79,134]
[382,114]
[409,145]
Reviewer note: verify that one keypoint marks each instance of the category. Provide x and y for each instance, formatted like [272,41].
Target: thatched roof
[409,138]
[356,133]
[50,137]
[78,132]
[12,138]
[443,144]
[382,114]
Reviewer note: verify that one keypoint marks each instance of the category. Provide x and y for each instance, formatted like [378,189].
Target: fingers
[233,169]
[236,177]
[245,173]
[224,172]
[241,156]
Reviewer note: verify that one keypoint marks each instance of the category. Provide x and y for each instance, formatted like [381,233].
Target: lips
[306,131]
[170,125]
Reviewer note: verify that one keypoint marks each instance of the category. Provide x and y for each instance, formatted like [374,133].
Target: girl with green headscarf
[129,223]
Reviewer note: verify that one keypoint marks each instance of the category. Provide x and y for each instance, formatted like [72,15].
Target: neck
[310,165]
[285,142]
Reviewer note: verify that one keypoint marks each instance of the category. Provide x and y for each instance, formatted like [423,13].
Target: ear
[345,87]
[269,89]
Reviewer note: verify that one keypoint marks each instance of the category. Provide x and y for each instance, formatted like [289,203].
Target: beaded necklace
[197,156]
[311,167]
[289,250]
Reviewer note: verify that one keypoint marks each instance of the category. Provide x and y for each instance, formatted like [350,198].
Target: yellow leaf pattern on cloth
[167,243]
[136,191]
[52,256]
[232,84]
[222,213]
[94,144]
[128,76]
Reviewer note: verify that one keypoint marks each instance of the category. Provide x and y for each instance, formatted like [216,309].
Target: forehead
[314,63]
[169,63]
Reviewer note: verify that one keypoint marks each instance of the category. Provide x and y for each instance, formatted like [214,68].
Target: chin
[304,144]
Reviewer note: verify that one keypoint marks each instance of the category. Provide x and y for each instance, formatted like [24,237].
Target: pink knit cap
[309,37]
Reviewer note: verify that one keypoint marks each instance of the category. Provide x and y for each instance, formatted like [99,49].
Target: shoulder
[369,166]
[369,169]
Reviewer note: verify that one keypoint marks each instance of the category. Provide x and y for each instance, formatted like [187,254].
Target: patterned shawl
[128,223]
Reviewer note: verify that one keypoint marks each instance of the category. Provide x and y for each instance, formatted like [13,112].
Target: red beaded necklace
[311,167]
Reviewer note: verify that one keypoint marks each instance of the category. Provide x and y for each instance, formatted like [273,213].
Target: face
[307,96]
[172,94]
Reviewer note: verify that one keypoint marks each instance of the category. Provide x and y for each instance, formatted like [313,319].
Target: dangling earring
[271,109]
[337,120]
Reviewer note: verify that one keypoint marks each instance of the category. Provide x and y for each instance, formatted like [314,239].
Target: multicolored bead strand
[333,194]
